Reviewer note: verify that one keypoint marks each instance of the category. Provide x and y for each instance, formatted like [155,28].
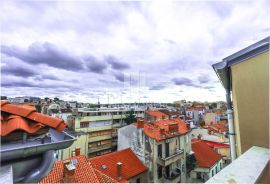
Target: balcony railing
[248,168]
[173,175]
[99,148]
[114,134]
[164,161]
[99,138]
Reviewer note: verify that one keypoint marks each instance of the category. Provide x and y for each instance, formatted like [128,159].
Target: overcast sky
[124,51]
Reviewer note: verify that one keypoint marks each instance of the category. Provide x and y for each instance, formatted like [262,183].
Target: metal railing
[173,174]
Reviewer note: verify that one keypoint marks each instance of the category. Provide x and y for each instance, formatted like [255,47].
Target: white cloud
[162,40]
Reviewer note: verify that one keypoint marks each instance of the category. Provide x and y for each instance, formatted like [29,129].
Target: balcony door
[167,149]
[160,151]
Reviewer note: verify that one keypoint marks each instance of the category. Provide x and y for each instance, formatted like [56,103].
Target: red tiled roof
[205,156]
[14,122]
[103,178]
[20,117]
[138,124]
[216,144]
[156,113]
[161,129]
[131,165]
[218,127]
[84,172]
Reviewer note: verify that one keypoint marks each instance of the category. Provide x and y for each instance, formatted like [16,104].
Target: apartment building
[105,111]
[245,74]
[101,132]
[209,162]
[162,146]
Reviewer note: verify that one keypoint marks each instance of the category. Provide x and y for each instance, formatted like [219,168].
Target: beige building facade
[246,75]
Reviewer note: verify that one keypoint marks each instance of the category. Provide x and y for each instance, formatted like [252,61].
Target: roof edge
[222,68]
[254,49]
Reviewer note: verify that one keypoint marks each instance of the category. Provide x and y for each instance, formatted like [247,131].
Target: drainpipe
[230,122]
[45,167]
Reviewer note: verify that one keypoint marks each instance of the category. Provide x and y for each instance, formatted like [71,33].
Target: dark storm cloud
[182,81]
[95,65]
[31,84]
[116,64]
[203,79]
[157,87]
[119,76]
[18,71]
[45,53]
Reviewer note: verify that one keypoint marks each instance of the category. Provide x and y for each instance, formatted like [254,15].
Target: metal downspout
[45,167]
[231,126]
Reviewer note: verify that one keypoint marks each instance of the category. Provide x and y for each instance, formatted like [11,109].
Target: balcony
[114,134]
[99,138]
[250,167]
[99,148]
[178,154]
[174,176]
[118,125]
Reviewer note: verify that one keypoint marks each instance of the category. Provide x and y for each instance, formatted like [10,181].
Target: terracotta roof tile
[216,144]
[205,156]
[103,178]
[156,113]
[131,165]
[28,119]
[84,172]
[161,129]
[14,122]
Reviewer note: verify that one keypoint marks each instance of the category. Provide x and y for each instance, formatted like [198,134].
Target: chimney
[73,152]
[199,137]
[69,171]
[188,126]
[162,130]
[77,151]
[119,170]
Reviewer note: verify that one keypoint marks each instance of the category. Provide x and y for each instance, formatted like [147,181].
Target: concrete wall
[250,92]
[81,142]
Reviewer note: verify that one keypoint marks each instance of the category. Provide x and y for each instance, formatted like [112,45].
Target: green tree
[130,117]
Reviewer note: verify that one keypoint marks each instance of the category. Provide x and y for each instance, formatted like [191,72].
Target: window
[167,149]
[84,124]
[216,169]
[159,171]
[138,180]
[213,172]
[160,150]
[187,139]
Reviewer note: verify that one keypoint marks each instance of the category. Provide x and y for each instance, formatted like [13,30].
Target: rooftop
[156,113]
[28,141]
[25,118]
[84,172]
[164,129]
[205,156]
[107,164]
